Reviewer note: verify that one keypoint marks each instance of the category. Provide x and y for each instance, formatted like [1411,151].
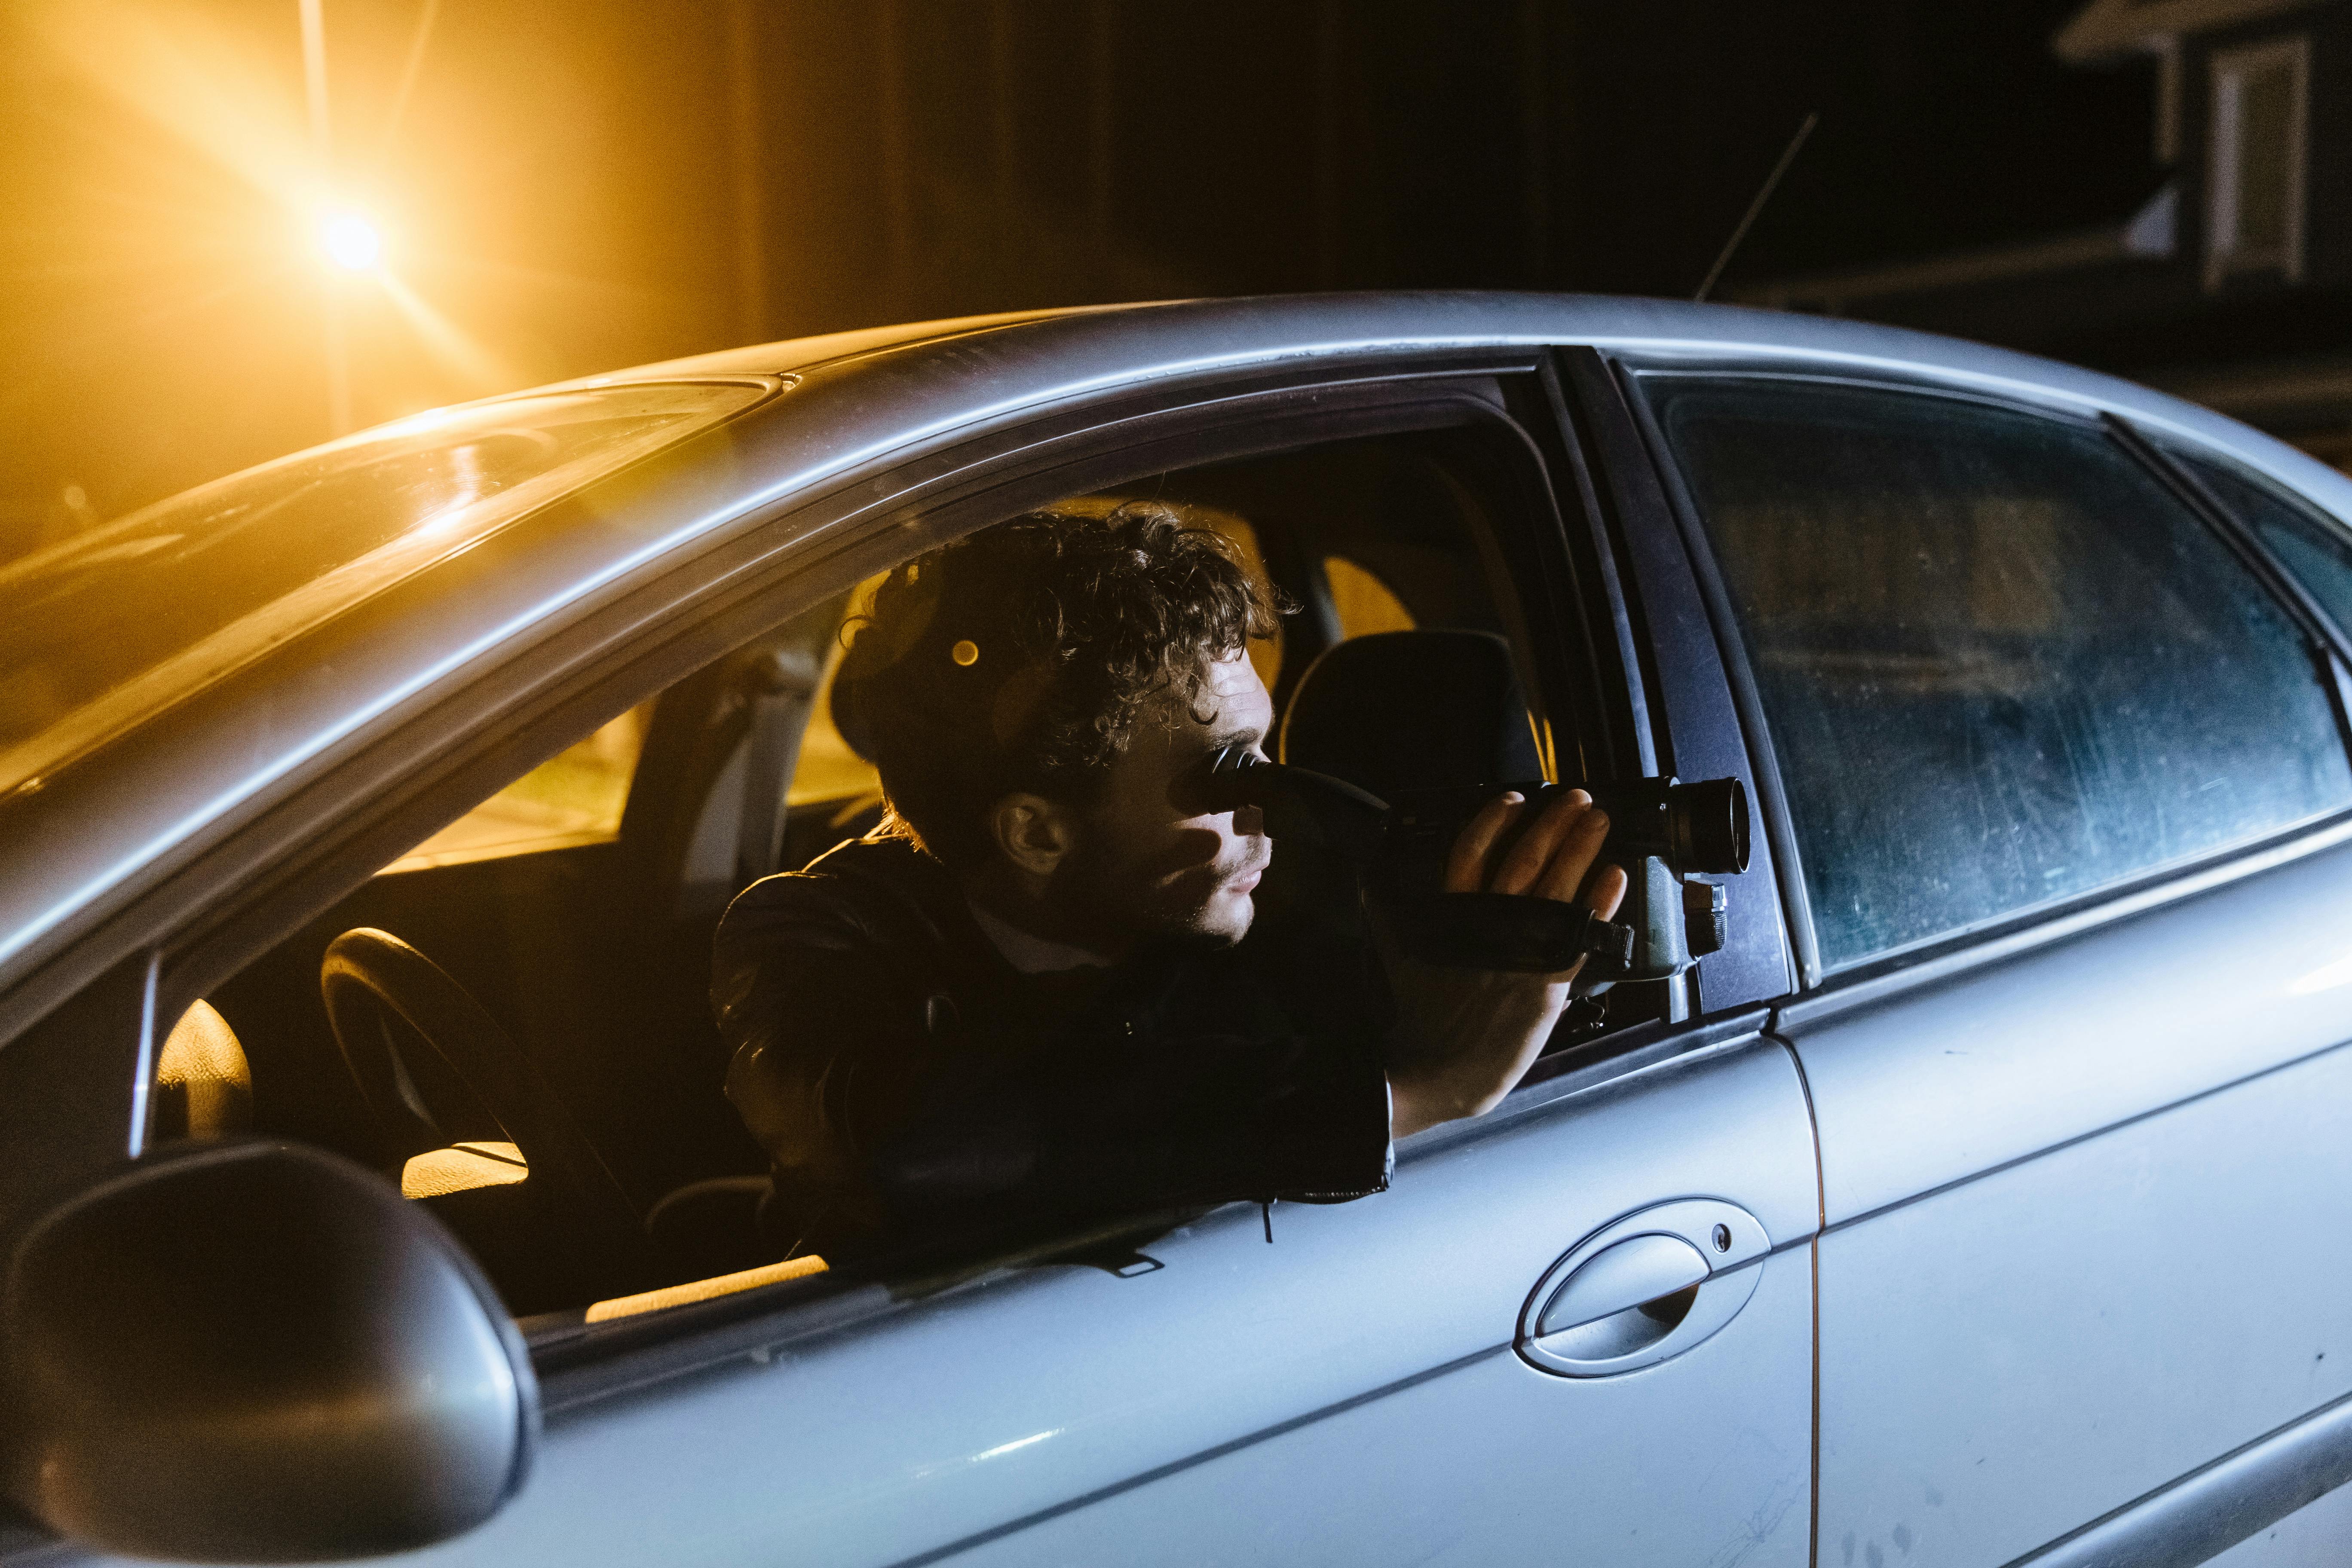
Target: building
[2229,279]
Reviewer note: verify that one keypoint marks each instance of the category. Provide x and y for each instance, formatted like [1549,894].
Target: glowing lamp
[350,241]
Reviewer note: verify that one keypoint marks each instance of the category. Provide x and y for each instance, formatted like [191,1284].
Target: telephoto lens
[1694,827]
[1698,828]
[1401,847]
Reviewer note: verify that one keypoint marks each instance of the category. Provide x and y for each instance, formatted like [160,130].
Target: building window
[2255,224]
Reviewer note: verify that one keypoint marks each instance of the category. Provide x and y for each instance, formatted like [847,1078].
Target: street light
[351,240]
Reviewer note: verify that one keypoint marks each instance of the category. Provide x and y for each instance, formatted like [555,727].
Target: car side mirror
[254,1351]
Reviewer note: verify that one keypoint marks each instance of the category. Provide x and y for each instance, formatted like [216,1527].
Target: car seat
[1430,709]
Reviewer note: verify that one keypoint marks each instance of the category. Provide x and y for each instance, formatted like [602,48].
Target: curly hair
[1020,659]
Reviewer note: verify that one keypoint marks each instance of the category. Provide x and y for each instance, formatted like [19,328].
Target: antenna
[1771,181]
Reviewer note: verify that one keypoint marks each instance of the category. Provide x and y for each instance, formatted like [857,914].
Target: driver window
[517,1028]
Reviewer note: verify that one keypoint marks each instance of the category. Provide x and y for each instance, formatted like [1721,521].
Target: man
[1027,997]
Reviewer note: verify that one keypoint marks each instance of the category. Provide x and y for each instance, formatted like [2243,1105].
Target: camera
[1660,830]
[1694,827]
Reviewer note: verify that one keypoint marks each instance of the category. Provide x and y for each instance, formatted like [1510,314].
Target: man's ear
[1037,834]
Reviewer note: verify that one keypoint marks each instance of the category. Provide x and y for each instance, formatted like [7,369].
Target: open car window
[570,917]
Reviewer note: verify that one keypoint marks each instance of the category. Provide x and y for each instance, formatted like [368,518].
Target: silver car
[1969,1182]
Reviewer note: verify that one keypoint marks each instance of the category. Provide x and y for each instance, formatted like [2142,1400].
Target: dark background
[576,187]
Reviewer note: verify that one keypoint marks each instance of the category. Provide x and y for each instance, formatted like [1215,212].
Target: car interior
[510,1021]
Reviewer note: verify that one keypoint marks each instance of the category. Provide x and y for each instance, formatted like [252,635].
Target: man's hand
[1465,1036]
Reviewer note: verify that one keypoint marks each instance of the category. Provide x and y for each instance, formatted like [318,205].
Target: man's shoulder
[866,893]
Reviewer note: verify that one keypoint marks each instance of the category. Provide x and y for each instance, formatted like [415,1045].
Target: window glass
[2315,549]
[2001,665]
[109,626]
[573,798]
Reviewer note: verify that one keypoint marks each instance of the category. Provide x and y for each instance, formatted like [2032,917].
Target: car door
[2062,813]
[1581,1326]
[1378,1384]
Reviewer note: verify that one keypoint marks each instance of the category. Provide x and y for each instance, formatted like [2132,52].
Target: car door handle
[1619,1297]
[1644,1289]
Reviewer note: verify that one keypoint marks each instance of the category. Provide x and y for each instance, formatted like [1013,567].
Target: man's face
[1153,865]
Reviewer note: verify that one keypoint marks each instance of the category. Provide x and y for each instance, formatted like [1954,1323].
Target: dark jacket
[907,1080]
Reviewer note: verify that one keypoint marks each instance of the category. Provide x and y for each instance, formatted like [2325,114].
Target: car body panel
[2008,1360]
[2312,1536]
[2080,1036]
[1039,1395]
[1607,1472]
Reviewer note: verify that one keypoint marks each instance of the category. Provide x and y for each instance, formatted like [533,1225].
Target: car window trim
[947,505]
[943,507]
[1772,800]
[1629,745]
[2003,936]
[2168,460]
[2330,650]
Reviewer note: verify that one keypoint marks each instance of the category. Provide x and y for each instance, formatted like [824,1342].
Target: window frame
[1931,961]
[2226,72]
[2170,458]
[1684,676]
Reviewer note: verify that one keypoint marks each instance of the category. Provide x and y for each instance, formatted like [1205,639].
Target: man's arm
[1464,1037]
[834,1073]
[1083,1126]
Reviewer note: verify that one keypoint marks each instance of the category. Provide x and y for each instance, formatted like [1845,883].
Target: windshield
[107,627]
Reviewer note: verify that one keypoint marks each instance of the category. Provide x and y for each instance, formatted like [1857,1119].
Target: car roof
[149,802]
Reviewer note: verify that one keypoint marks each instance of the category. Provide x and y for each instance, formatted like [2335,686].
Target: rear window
[104,628]
[2316,549]
[2001,664]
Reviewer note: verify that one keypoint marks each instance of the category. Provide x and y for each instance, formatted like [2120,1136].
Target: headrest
[1430,709]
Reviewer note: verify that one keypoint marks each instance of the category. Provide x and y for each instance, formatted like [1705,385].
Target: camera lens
[1707,826]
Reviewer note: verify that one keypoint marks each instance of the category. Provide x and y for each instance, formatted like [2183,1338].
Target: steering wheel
[435,1069]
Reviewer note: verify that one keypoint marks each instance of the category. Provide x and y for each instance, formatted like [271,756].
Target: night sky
[565,188]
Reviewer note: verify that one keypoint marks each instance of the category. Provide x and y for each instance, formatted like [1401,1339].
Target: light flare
[351,240]
[172,64]
[451,346]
